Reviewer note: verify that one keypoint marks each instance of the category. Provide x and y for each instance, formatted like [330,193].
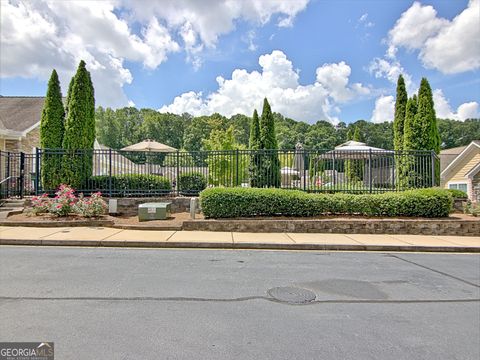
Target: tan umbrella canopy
[150,146]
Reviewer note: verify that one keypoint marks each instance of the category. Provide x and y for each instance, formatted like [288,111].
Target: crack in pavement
[435,271]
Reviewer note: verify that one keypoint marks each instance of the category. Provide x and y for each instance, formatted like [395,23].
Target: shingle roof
[19,113]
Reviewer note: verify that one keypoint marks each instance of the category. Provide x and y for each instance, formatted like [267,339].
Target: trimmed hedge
[458,194]
[191,183]
[250,202]
[132,184]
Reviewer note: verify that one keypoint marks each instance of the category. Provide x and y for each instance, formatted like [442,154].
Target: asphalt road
[104,303]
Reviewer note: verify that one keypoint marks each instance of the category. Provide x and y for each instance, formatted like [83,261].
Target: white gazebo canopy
[150,146]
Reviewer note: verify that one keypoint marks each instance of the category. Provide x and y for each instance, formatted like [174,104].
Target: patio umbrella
[149,146]
[299,160]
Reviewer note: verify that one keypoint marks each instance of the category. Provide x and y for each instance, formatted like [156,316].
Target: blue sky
[318,59]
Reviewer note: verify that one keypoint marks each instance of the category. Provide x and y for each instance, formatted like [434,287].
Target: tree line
[125,126]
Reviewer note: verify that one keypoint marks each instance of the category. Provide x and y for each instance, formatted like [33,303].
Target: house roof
[20,114]
[475,144]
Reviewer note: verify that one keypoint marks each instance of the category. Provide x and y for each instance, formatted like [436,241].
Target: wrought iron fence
[123,174]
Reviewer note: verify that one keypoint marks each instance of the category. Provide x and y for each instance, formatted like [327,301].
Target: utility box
[153,211]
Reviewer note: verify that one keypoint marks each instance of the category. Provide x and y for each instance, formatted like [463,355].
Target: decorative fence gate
[120,173]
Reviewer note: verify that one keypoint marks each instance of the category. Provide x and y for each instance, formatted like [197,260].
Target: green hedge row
[249,202]
[132,183]
[458,194]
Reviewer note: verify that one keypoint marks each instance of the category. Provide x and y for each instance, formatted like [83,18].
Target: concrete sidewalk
[102,236]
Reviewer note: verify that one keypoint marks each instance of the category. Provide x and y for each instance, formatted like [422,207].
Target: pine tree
[80,118]
[399,120]
[270,163]
[51,133]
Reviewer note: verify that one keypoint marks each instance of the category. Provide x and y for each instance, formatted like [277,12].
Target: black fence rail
[127,174]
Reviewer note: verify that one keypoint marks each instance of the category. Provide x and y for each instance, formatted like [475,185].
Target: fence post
[37,169]
[110,172]
[333,172]
[7,175]
[178,172]
[236,170]
[21,178]
[432,155]
[370,180]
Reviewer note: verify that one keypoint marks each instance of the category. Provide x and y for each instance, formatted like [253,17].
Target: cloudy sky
[314,59]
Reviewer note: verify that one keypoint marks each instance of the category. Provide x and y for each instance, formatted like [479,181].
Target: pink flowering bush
[40,204]
[64,201]
[90,207]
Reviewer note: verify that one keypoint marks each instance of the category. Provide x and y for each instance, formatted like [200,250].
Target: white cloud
[390,69]
[36,36]
[443,109]
[211,18]
[279,82]
[450,46]
[384,109]
[39,36]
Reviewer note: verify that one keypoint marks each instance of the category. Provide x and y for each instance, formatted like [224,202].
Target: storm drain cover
[292,295]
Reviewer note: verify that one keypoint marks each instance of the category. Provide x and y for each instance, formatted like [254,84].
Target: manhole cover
[292,295]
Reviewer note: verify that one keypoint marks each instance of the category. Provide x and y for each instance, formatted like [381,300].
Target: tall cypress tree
[399,120]
[254,145]
[78,129]
[426,117]
[270,174]
[51,133]
[254,142]
[412,132]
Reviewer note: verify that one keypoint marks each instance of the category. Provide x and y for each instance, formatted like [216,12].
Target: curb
[249,246]
[59,223]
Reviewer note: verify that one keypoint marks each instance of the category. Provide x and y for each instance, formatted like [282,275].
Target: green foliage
[254,141]
[458,194]
[132,184]
[354,167]
[251,202]
[190,184]
[79,129]
[225,169]
[122,127]
[426,119]
[51,133]
[268,164]
[254,144]
[400,109]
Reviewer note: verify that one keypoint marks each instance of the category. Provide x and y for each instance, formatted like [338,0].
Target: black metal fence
[119,173]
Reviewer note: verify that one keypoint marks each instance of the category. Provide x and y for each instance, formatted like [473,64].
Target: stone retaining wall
[350,226]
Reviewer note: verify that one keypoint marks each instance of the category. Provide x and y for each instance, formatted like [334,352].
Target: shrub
[40,204]
[93,206]
[249,202]
[472,209]
[132,184]
[457,194]
[191,183]
[63,202]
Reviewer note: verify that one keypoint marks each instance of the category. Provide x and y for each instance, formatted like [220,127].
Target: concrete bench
[154,211]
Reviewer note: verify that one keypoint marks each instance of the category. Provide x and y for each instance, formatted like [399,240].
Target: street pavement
[117,303]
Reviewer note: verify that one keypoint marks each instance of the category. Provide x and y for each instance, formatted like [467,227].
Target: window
[462,187]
